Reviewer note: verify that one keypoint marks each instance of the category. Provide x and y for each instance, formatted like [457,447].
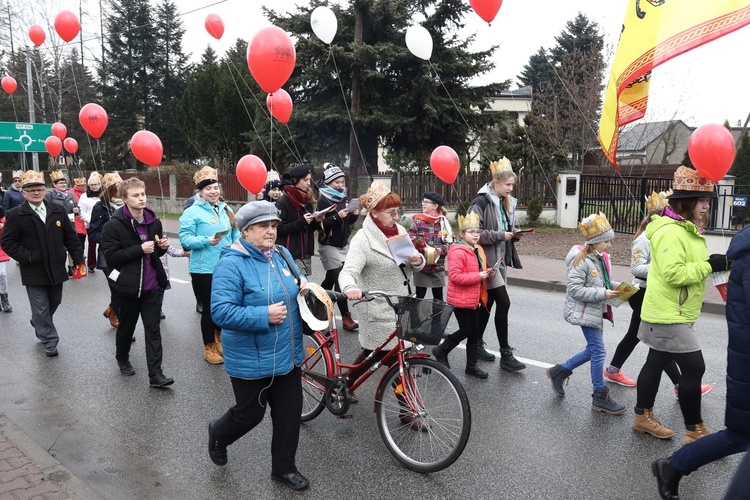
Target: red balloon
[53,145]
[486,9]
[59,130]
[93,119]
[9,84]
[214,26]
[146,146]
[280,105]
[271,57]
[36,34]
[251,172]
[67,25]
[711,149]
[445,164]
[71,145]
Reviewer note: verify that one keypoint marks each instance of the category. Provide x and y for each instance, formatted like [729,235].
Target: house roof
[519,92]
[641,135]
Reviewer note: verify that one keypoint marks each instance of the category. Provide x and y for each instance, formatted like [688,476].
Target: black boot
[440,353]
[667,478]
[508,362]
[483,354]
[557,375]
[4,304]
[471,362]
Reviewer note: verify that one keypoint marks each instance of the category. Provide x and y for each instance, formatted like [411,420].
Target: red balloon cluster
[9,84]
[147,147]
[214,26]
[280,105]
[59,130]
[711,149]
[251,172]
[53,145]
[271,58]
[67,25]
[93,119]
[36,34]
[71,145]
[445,164]
[486,9]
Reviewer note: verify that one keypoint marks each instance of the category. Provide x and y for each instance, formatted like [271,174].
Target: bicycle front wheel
[317,360]
[423,417]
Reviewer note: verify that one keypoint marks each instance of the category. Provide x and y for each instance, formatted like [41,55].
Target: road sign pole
[32,113]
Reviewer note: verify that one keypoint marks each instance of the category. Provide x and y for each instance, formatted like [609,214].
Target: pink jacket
[3,256]
[464,283]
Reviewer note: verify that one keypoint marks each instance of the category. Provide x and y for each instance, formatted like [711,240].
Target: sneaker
[216,451]
[483,354]
[647,423]
[125,367]
[619,378]
[213,357]
[705,389]
[601,401]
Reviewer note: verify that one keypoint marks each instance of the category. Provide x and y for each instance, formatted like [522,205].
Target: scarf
[668,212]
[117,203]
[332,194]
[502,217]
[93,194]
[389,232]
[296,196]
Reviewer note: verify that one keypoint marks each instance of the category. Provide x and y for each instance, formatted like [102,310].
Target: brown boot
[217,343]
[107,311]
[211,355]
[348,322]
[647,423]
[112,316]
[697,432]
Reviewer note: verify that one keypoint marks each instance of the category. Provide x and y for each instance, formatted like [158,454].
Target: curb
[54,472]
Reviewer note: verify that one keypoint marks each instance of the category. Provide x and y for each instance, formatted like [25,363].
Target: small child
[171,252]
[4,304]
[588,286]
[467,290]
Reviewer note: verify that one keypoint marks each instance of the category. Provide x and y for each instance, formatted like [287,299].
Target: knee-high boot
[440,352]
[472,354]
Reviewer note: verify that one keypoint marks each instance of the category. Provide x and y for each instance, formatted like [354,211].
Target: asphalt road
[129,441]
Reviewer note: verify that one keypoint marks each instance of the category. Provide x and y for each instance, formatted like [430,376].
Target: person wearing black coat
[735,438]
[132,242]
[39,235]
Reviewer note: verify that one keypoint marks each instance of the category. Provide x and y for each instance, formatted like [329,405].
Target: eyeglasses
[428,202]
[393,212]
[473,231]
[35,191]
[16,180]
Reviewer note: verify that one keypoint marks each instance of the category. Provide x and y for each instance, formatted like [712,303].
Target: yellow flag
[655,31]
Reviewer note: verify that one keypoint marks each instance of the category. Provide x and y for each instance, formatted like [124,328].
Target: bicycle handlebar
[368,296]
[336,296]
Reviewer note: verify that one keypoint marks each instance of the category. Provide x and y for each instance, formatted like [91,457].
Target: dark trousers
[148,305]
[500,297]
[437,292]
[44,301]
[740,484]
[202,289]
[469,324]
[630,340]
[283,393]
[331,282]
[91,255]
[710,448]
[691,366]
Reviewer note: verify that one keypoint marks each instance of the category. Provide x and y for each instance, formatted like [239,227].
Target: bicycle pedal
[347,416]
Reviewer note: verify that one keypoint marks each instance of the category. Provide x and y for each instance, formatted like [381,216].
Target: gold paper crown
[32,178]
[687,179]
[80,181]
[376,192]
[109,179]
[471,221]
[17,174]
[56,175]
[500,165]
[272,175]
[206,174]
[594,225]
[657,201]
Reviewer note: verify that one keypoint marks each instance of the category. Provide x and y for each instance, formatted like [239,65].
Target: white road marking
[177,280]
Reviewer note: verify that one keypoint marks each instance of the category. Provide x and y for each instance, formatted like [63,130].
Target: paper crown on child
[596,228]
[272,175]
[95,177]
[110,178]
[501,165]
[657,201]
[56,176]
[32,178]
[205,176]
[471,221]
[376,192]
[80,181]
[17,174]
[689,183]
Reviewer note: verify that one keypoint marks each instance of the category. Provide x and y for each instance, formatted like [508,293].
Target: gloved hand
[718,262]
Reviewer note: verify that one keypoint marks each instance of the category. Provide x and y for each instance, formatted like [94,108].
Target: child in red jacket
[467,291]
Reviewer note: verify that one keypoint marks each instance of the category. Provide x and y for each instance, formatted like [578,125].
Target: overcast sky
[705,85]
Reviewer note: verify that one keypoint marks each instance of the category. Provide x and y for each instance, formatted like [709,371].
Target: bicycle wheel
[433,435]
[317,360]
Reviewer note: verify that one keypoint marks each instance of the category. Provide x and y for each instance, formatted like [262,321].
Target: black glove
[718,262]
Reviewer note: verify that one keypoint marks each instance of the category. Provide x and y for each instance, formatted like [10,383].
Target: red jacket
[3,256]
[465,287]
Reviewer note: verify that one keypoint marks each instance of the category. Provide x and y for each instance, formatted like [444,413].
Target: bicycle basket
[423,321]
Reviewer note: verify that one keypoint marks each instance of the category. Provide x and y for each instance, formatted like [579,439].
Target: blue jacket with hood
[244,284]
[198,224]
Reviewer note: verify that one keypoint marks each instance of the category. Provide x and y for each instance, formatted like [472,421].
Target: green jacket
[677,275]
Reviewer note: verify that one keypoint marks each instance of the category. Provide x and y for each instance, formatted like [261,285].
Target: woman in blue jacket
[254,302]
[205,228]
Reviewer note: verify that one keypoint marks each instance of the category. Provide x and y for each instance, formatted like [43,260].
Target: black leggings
[691,365]
[331,282]
[630,340]
[202,289]
[497,295]
[437,292]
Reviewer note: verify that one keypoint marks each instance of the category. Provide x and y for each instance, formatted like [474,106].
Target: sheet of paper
[221,234]
[498,264]
[315,214]
[353,205]
[626,291]
[401,248]
[525,231]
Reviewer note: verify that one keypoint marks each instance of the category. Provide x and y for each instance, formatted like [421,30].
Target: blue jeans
[709,448]
[593,352]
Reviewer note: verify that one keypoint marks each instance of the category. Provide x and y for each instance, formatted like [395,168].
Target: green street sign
[24,137]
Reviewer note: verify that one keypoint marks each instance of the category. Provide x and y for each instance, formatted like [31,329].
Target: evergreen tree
[741,166]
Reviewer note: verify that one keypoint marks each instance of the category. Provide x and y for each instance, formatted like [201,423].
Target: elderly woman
[431,233]
[254,302]
[205,228]
[370,266]
[86,206]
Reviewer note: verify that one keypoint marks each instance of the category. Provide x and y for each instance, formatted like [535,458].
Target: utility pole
[32,113]
[354,155]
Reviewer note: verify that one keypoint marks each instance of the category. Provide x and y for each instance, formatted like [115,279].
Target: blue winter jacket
[198,224]
[244,285]
[737,416]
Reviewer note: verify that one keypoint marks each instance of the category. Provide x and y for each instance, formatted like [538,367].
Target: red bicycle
[422,410]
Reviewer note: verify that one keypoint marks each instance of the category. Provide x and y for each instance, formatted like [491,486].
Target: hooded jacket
[677,273]
[585,291]
[198,224]
[122,249]
[244,284]
[737,415]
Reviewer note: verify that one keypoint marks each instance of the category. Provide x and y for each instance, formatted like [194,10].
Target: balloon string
[80,105]
[292,139]
[161,189]
[270,118]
